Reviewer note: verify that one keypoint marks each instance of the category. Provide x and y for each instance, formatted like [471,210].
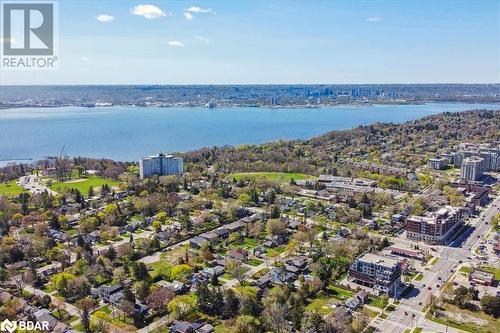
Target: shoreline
[236,106]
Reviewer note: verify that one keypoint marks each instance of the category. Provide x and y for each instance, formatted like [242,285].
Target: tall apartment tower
[161,165]
[472,168]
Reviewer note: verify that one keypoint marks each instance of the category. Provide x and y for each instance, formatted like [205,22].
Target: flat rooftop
[379,260]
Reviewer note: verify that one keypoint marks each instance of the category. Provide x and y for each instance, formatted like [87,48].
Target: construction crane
[62,151]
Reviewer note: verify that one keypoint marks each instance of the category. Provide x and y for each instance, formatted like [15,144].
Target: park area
[82,184]
[10,189]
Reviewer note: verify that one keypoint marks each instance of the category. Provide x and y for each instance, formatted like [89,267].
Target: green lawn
[320,304]
[254,262]
[84,185]
[339,293]
[274,176]
[376,301]
[465,269]
[10,189]
[496,271]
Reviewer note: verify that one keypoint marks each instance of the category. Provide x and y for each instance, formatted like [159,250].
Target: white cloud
[188,16]
[199,10]
[374,19]
[85,59]
[203,39]
[175,43]
[105,18]
[149,11]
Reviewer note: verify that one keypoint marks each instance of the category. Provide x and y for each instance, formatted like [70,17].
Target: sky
[273,42]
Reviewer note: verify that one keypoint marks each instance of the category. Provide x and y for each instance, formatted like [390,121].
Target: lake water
[128,133]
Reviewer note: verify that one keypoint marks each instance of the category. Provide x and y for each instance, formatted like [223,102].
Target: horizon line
[241,84]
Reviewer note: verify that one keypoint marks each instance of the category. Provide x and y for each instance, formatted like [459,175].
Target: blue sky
[238,42]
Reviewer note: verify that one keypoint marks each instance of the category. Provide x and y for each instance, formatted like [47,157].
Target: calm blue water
[127,133]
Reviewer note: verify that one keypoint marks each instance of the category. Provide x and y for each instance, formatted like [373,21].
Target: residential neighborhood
[362,246]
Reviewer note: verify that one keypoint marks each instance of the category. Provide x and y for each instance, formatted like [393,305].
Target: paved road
[70,308]
[408,313]
[32,184]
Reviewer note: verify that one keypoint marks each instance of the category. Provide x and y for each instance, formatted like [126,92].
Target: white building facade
[161,165]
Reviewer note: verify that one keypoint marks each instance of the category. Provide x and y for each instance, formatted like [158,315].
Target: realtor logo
[38,26]
[28,37]
[8,326]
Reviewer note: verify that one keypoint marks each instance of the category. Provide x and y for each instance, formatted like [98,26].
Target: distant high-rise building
[472,168]
[161,165]
[489,152]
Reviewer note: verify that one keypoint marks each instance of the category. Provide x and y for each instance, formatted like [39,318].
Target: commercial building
[347,184]
[482,277]
[434,227]
[161,165]
[375,271]
[472,168]
[438,163]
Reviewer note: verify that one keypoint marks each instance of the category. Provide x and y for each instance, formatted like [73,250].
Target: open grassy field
[10,189]
[272,176]
[491,324]
[83,184]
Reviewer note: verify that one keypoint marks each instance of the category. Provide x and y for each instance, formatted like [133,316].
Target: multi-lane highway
[408,313]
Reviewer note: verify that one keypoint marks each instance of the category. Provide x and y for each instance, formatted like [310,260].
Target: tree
[142,290]
[275,227]
[127,308]
[140,271]
[462,296]
[180,272]
[491,305]
[158,298]
[85,305]
[238,272]
[128,294]
[111,253]
[61,282]
[231,304]
[276,316]
[3,275]
[157,226]
[208,301]
[181,306]
[246,324]
[275,212]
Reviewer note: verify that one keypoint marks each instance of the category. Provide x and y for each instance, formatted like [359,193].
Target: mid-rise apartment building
[438,163]
[375,271]
[434,227]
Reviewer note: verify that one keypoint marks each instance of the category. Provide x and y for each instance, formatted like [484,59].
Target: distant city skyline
[273,42]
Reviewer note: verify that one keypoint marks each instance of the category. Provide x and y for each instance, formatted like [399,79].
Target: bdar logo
[8,326]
